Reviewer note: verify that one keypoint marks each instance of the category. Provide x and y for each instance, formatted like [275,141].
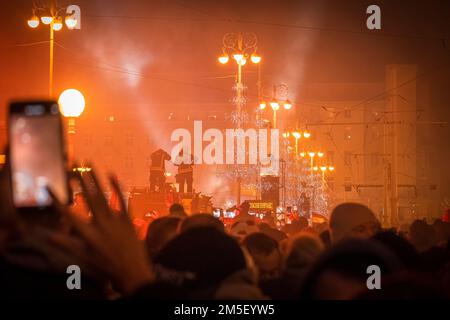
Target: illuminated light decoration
[311,154]
[71,22]
[33,22]
[287,105]
[57,24]
[81,169]
[223,59]
[296,135]
[275,105]
[71,103]
[262,105]
[241,118]
[238,57]
[46,19]
[331,168]
[315,168]
[320,154]
[168,174]
[302,154]
[298,180]
[286,134]
[255,58]
[323,168]
[306,134]
[242,62]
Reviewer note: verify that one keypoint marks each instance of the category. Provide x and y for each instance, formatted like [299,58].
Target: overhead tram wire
[276,24]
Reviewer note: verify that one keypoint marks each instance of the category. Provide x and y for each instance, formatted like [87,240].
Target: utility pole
[394,154]
[385,177]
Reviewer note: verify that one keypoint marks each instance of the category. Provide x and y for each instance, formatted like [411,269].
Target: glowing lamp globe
[46,19]
[287,105]
[71,103]
[255,58]
[71,22]
[296,135]
[275,105]
[223,59]
[33,22]
[262,105]
[238,57]
[57,24]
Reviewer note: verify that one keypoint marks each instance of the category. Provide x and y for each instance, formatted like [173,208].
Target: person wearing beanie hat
[242,228]
[352,220]
[199,259]
[201,220]
[340,273]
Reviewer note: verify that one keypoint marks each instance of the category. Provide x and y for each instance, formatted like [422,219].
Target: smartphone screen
[216,213]
[37,154]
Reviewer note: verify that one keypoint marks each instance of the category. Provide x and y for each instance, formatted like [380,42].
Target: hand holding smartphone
[37,154]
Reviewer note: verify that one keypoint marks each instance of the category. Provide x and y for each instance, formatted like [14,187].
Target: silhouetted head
[303,250]
[352,220]
[199,257]
[404,250]
[241,228]
[442,230]
[201,220]
[177,209]
[342,271]
[421,235]
[265,253]
[160,232]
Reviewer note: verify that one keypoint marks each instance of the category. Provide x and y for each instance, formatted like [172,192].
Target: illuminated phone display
[37,154]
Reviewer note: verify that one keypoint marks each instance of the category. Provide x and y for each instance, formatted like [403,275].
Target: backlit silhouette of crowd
[197,257]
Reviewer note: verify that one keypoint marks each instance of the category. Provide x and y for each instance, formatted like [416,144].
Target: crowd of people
[197,257]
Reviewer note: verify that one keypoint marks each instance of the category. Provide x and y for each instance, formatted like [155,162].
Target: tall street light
[52,18]
[241,47]
[297,135]
[311,155]
[71,105]
[278,100]
[325,169]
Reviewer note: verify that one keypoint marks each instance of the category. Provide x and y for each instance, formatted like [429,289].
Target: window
[347,113]
[347,184]
[347,158]
[348,133]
